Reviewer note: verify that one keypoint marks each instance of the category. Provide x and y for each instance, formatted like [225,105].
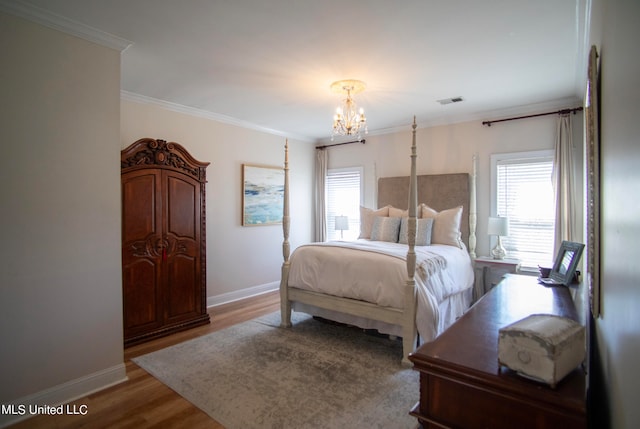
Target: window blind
[524,194]
[343,199]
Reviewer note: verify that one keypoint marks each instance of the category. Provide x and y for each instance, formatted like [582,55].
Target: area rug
[313,375]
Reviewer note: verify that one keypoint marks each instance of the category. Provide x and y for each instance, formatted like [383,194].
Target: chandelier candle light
[348,120]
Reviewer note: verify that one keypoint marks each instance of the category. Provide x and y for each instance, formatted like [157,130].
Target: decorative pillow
[424,229]
[367,216]
[396,212]
[446,225]
[386,229]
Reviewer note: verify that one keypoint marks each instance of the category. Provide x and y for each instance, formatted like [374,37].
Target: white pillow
[396,212]
[446,225]
[367,216]
[424,228]
[386,229]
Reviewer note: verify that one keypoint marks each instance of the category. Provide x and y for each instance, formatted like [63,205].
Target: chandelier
[348,120]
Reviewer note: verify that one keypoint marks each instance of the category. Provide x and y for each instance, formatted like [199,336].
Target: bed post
[473,217]
[285,304]
[409,334]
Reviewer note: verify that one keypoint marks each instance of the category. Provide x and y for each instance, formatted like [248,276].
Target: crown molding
[192,111]
[528,109]
[58,22]
[562,103]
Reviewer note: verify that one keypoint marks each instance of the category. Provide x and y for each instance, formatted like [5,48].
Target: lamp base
[498,252]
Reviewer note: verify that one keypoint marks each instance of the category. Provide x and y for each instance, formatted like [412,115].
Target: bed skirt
[449,310]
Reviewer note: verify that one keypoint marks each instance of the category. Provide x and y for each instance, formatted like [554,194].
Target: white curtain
[320,196]
[563,175]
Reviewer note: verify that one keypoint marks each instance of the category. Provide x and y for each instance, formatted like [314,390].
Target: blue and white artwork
[263,195]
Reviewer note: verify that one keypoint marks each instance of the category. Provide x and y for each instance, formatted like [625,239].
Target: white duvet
[375,271]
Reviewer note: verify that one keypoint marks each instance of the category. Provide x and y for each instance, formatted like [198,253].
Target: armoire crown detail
[164,154]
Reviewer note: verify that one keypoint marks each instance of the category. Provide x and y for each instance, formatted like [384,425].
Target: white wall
[60,269]
[450,149]
[240,260]
[618,328]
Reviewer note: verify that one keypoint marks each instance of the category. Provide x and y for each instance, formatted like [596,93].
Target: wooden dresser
[462,385]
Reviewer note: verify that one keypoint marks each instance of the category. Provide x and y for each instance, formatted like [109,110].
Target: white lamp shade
[498,226]
[342,223]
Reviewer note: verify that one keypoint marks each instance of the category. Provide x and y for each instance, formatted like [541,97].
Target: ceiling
[268,65]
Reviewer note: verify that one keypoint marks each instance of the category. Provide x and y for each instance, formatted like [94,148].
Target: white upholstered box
[542,346]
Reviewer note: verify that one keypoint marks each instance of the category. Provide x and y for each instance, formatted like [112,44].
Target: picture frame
[262,195]
[592,137]
[564,266]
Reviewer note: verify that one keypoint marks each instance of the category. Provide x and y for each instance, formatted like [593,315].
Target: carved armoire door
[163,241]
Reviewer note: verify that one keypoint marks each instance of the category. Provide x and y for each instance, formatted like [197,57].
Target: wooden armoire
[163,240]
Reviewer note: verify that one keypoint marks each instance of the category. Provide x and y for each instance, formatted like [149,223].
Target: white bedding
[375,271]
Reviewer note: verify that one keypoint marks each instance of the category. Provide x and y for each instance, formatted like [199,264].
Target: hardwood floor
[144,402]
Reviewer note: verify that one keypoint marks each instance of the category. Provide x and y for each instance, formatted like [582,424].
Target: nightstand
[489,272]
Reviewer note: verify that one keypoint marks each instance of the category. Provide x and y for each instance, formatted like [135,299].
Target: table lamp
[498,226]
[342,224]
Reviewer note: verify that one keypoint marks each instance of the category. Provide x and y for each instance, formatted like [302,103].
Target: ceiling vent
[450,100]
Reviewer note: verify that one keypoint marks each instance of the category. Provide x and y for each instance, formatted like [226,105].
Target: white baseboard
[19,409]
[225,298]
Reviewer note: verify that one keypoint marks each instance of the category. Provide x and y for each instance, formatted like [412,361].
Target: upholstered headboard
[438,191]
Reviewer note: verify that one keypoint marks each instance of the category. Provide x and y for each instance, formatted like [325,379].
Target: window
[344,196]
[521,190]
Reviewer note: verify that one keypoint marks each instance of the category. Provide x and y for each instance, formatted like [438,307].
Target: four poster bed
[409,273]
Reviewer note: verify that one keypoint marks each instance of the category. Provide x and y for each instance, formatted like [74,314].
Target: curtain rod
[558,112]
[340,144]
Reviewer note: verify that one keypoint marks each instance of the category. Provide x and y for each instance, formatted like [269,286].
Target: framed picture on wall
[262,195]
[592,131]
